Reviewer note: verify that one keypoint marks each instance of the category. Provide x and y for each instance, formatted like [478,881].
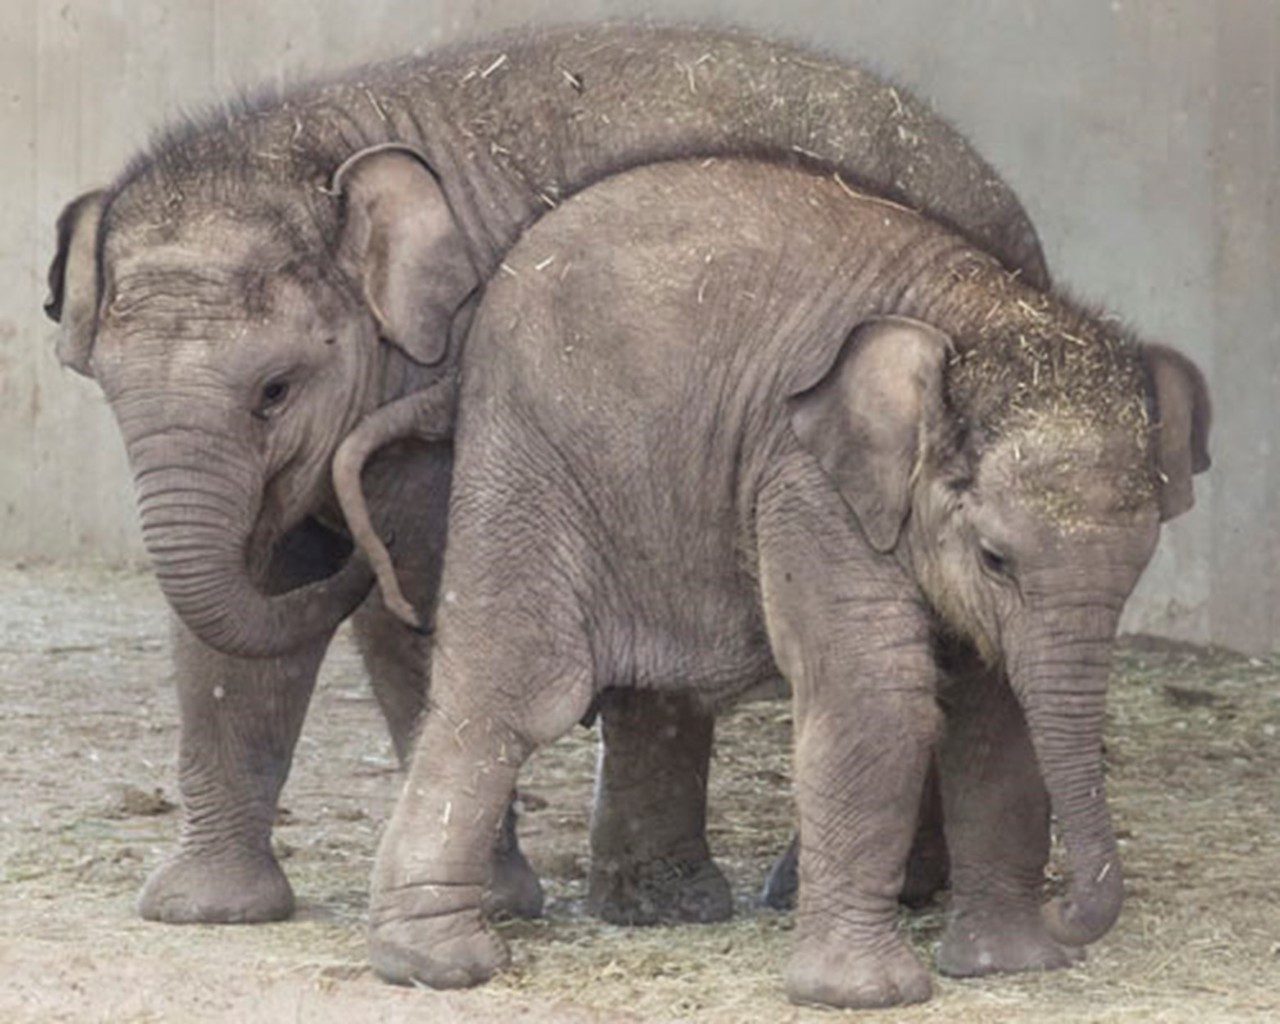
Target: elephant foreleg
[396,660]
[996,814]
[927,864]
[240,720]
[649,857]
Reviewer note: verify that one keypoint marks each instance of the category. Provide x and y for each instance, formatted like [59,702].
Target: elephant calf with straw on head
[260,280]
[772,428]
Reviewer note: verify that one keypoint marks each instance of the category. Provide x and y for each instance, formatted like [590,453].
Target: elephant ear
[74,280]
[401,242]
[866,416]
[1182,417]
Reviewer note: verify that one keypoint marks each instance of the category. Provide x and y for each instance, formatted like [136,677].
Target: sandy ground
[88,734]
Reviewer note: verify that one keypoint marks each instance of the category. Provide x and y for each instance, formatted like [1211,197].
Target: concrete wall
[1141,135]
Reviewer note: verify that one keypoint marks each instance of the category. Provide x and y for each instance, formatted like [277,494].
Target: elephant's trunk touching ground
[1063,692]
[197,518]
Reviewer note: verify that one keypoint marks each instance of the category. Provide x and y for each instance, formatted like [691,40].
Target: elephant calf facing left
[804,440]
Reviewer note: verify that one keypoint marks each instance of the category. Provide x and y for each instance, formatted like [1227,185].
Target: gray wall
[1141,135]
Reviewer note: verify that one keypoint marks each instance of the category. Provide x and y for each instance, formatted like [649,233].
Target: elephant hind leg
[510,671]
[513,889]
[928,863]
[397,661]
[413,486]
[649,858]
[436,857]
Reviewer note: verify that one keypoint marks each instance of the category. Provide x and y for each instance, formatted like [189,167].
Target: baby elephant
[779,427]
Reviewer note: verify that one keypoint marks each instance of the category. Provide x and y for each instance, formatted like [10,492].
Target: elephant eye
[994,562]
[273,394]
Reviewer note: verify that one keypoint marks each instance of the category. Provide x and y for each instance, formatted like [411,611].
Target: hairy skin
[737,445]
[225,258]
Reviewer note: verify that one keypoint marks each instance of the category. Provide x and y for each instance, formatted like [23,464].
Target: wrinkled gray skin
[243,305]
[779,428]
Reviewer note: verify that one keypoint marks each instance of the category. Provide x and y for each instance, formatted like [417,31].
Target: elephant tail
[427,415]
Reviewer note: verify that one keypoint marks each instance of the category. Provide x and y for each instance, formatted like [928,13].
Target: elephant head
[239,331]
[1020,473]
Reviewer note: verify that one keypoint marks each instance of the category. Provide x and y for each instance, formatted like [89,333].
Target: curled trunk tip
[1064,705]
[1079,918]
[197,547]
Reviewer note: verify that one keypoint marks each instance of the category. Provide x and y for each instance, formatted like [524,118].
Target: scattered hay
[1194,796]
[1193,787]
[135,802]
[1040,372]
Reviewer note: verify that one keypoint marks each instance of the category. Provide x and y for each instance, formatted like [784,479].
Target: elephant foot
[203,888]
[668,891]
[1001,941]
[446,950]
[783,883]
[514,889]
[927,870]
[841,975]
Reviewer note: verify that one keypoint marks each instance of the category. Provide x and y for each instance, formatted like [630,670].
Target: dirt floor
[88,734]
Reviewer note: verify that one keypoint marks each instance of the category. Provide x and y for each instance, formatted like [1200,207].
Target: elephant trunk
[197,520]
[1062,688]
